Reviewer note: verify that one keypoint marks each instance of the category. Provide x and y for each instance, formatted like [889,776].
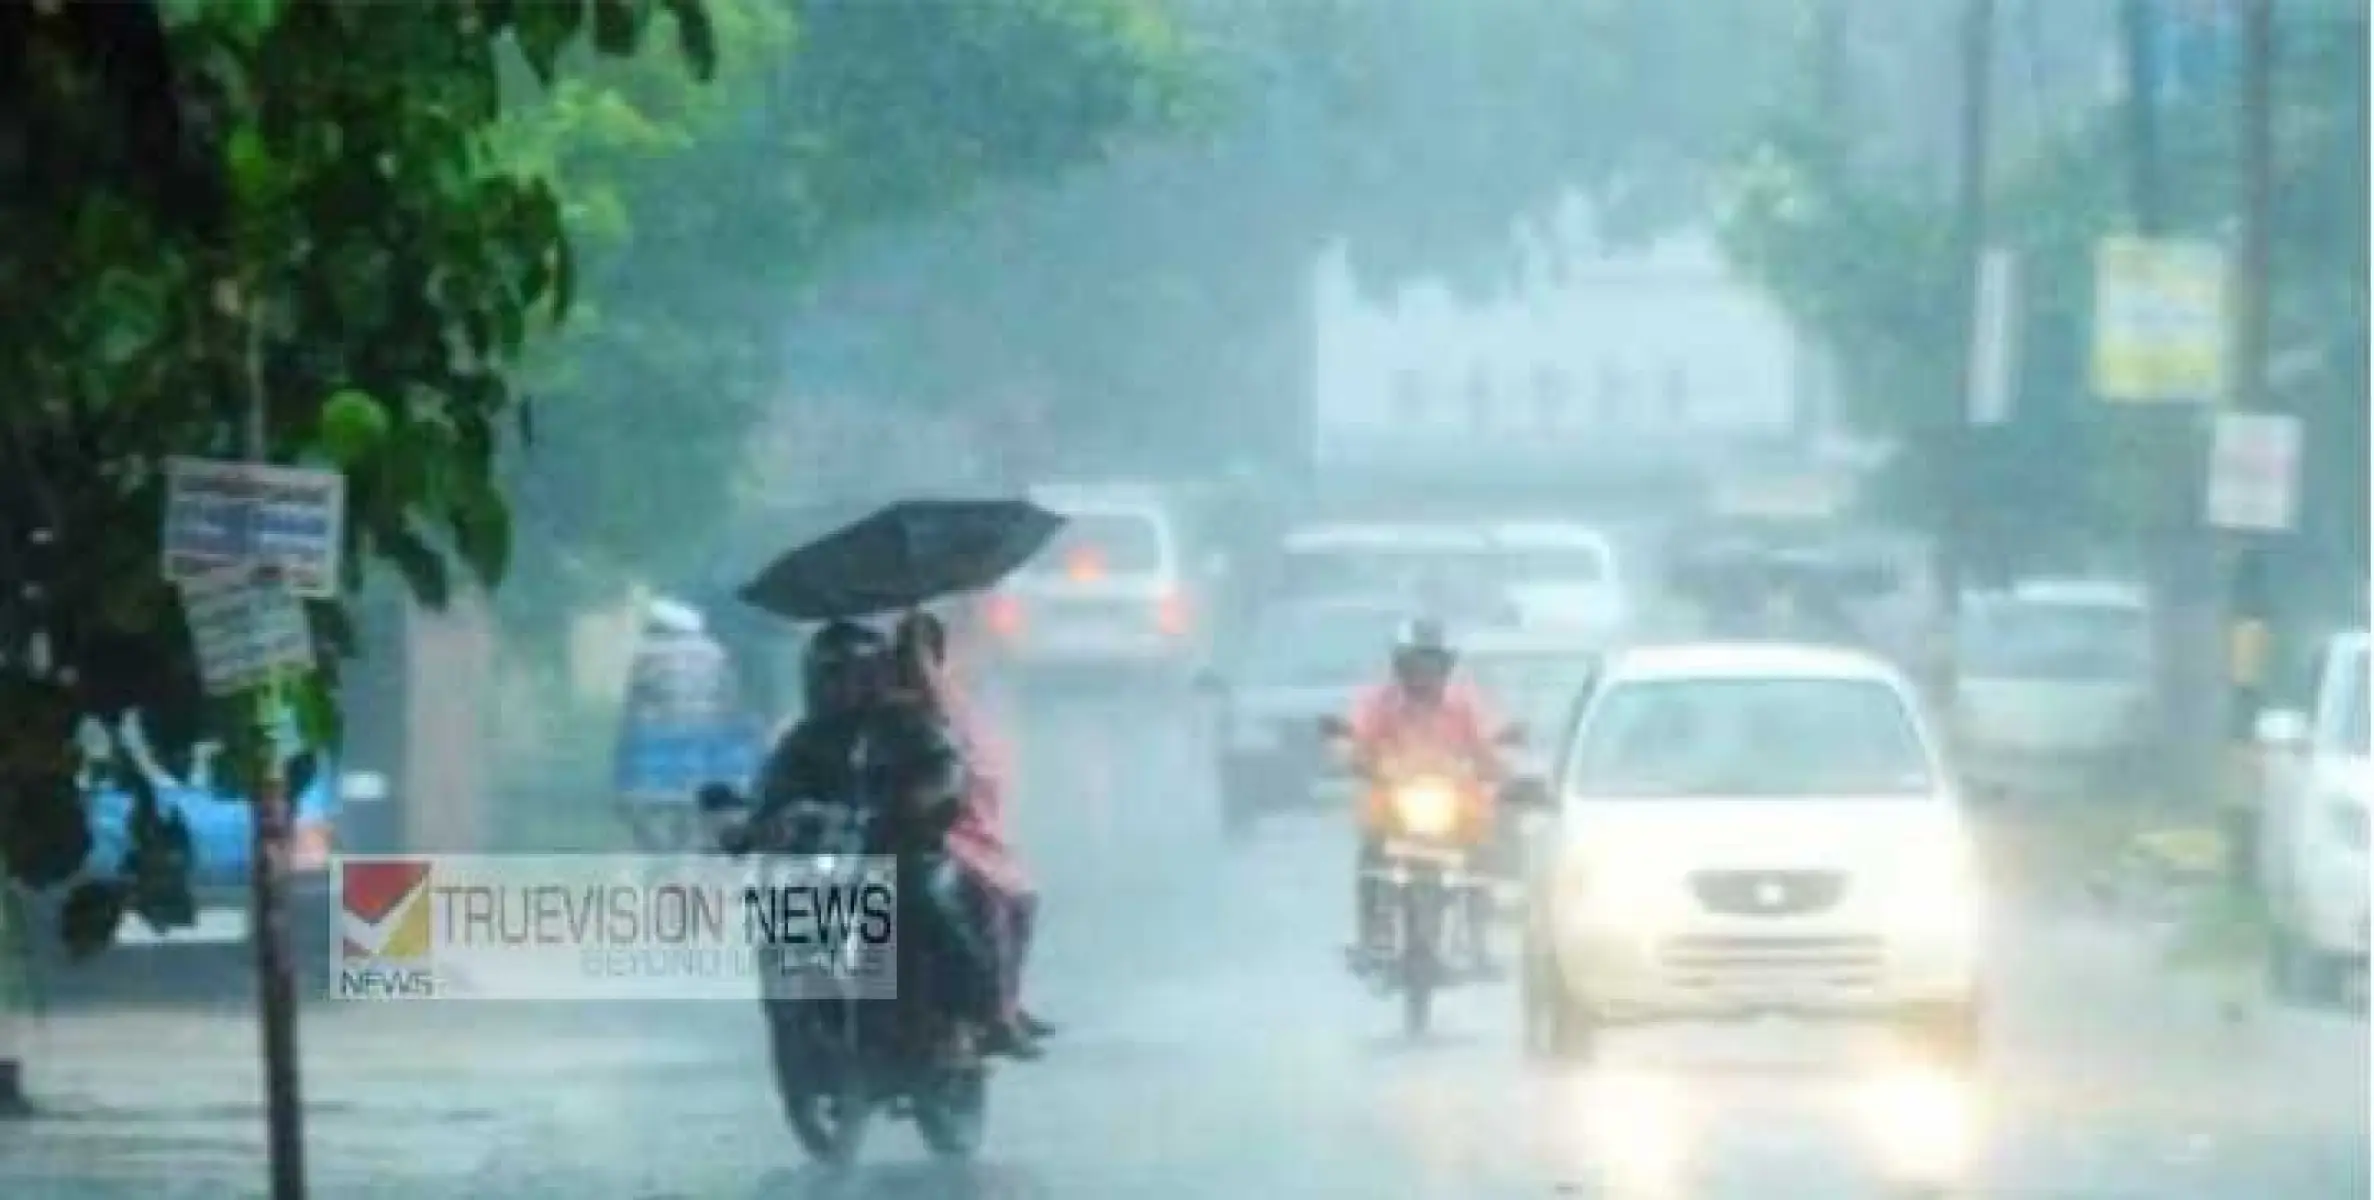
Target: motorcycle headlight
[1427,808]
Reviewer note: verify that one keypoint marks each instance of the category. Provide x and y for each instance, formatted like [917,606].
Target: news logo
[386,934]
[569,927]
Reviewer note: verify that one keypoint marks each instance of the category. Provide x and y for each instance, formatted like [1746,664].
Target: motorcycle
[1434,863]
[840,1060]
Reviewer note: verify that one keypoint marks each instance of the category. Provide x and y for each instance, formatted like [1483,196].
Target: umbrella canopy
[902,556]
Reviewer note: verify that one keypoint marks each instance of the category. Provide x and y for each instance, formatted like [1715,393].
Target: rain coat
[1385,722]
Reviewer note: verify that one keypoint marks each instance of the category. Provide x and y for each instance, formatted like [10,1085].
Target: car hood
[1724,833]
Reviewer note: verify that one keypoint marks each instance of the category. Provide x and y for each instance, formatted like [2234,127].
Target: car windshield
[1092,545]
[2019,639]
[1575,564]
[1321,645]
[1750,738]
[1533,688]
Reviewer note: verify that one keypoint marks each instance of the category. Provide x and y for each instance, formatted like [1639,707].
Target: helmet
[1422,656]
[845,666]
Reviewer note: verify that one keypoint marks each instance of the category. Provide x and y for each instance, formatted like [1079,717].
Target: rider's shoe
[1008,1039]
[1035,1027]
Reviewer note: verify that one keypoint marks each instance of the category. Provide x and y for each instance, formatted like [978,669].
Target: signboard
[247,627]
[1994,339]
[2159,320]
[219,514]
[2254,472]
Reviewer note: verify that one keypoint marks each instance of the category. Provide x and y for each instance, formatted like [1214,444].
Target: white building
[1650,353]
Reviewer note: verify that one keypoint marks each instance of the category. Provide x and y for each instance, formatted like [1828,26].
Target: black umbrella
[903,556]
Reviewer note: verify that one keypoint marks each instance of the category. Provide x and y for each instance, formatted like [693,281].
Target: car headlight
[1427,808]
[2346,818]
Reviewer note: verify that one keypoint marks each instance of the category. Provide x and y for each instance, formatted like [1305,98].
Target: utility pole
[2142,60]
[2247,598]
[1956,442]
[276,990]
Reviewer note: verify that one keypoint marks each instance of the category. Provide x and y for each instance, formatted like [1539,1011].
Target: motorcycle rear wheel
[951,1116]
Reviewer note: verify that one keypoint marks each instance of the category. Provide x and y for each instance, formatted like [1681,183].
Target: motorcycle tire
[829,1121]
[951,1116]
[1421,954]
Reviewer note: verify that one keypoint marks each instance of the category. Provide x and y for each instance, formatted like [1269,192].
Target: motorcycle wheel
[950,1116]
[1421,962]
[830,1121]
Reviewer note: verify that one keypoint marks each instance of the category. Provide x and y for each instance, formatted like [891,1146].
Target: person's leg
[1369,895]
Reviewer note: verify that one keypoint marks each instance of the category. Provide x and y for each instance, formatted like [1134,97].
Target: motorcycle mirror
[1514,736]
[1334,726]
[719,798]
[1208,682]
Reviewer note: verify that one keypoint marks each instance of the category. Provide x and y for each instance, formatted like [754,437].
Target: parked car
[1304,660]
[2054,681]
[2312,833]
[1111,591]
[1752,828]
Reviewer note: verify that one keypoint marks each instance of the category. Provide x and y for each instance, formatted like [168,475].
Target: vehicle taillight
[1005,616]
[1170,613]
[310,845]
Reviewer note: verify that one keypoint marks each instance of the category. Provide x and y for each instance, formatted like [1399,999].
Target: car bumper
[2332,908]
[1720,970]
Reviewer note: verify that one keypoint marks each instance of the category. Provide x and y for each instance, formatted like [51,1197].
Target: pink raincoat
[978,839]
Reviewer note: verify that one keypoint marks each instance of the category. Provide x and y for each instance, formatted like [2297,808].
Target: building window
[1615,396]
[1677,394]
[1409,396]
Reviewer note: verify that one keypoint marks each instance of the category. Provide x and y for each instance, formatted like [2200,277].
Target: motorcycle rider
[857,750]
[1423,703]
[1004,902]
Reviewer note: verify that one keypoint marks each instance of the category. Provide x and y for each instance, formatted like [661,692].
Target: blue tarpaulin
[685,722]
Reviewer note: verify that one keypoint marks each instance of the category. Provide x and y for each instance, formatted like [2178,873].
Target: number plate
[1423,852]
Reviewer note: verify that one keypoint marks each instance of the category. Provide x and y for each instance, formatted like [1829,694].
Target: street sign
[2159,320]
[2254,472]
[219,514]
[1994,339]
[247,627]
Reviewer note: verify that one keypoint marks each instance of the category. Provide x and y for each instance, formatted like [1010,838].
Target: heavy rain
[1387,599]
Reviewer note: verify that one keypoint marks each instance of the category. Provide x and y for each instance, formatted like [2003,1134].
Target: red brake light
[1171,613]
[1005,615]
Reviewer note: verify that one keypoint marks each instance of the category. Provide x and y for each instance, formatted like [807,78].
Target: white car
[2053,674]
[1110,591]
[1745,829]
[1562,578]
[2312,839]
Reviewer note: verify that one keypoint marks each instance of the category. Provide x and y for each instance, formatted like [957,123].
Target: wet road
[1213,1048]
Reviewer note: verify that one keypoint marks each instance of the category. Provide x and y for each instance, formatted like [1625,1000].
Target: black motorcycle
[841,1059]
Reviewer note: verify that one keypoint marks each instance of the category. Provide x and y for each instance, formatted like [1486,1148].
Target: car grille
[1833,961]
[1768,893]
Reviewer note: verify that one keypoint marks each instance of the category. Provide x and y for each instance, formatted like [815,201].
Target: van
[1109,590]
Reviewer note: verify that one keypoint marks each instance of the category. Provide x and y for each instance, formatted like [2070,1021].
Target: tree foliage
[1158,307]
[1869,264]
[291,203]
[707,213]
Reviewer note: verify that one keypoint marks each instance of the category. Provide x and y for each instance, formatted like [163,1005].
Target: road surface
[1212,1047]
